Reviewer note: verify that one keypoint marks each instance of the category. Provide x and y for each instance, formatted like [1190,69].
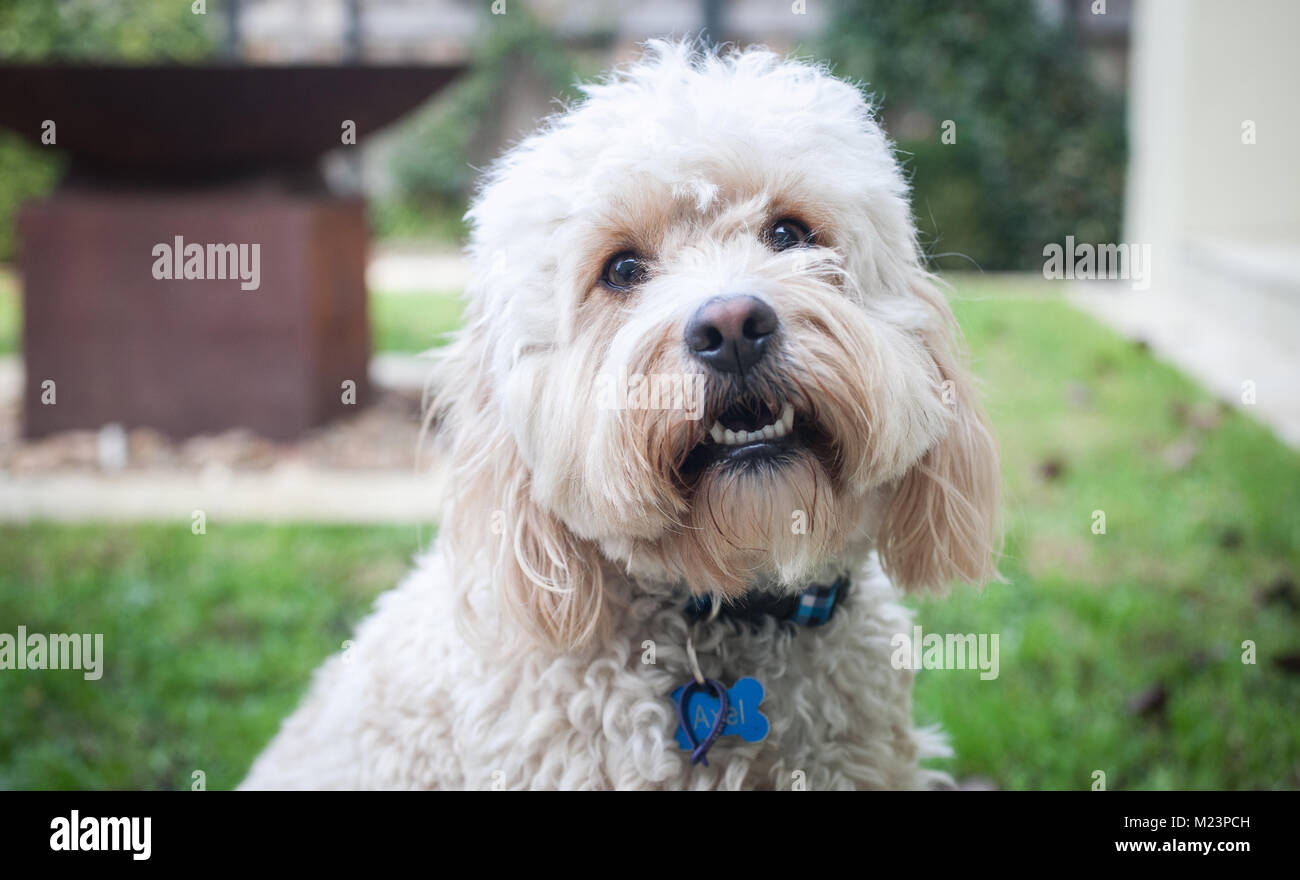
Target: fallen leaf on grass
[1179,455]
[1148,702]
[1051,468]
[1281,592]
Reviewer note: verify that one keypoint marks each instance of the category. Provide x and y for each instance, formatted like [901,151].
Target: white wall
[1200,68]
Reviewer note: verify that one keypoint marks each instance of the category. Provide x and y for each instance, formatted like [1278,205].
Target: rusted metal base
[187,356]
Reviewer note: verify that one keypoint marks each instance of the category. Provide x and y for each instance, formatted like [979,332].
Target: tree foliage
[33,31]
[436,152]
[1039,145]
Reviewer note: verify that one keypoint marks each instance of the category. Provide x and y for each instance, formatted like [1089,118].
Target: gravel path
[361,469]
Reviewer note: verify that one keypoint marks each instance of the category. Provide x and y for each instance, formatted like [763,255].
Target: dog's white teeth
[779,428]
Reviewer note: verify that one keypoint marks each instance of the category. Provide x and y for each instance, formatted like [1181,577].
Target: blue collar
[813,607]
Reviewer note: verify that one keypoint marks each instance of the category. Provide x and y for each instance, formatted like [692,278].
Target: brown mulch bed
[382,436]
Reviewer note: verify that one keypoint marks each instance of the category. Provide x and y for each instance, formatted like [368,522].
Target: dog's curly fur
[515,655]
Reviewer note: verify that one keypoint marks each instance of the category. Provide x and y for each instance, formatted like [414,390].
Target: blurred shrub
[98,30]
[436,154]
[84,30]
[27,173]
[1039,151]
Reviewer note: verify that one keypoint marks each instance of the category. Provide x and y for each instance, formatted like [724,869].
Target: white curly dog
[706,397]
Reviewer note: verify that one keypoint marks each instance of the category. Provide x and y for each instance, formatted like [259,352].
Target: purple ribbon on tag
[700,748]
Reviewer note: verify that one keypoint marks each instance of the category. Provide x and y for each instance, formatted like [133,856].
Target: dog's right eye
[787,233]
[624,271]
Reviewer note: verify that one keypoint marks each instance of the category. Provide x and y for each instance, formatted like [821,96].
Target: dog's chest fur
[411,705]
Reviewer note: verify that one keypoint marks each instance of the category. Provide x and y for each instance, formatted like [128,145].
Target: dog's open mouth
[751,421]
[750,430]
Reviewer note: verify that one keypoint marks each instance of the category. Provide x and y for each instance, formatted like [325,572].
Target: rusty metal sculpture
[137,309]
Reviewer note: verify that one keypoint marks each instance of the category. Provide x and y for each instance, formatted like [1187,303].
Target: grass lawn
[10,313]
[1118,652]
[1151,615]
[208,641]
[404,322]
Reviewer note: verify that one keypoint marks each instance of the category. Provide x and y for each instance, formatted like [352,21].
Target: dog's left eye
[624,271]
[786,233]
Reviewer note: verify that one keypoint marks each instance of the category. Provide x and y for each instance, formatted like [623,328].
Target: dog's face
[701,348]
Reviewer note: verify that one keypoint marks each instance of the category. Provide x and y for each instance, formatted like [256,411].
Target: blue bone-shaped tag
[743,717]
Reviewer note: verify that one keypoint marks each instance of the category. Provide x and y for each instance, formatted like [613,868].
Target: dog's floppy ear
[941,523]
[493,531]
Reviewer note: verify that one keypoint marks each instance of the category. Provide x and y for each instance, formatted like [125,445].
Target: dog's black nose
[731,333]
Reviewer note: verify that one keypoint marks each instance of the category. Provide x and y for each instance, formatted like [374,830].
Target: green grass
[208,642]
[402,322]
[399,322]
[10,314]
[211,639]
[1164,599]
